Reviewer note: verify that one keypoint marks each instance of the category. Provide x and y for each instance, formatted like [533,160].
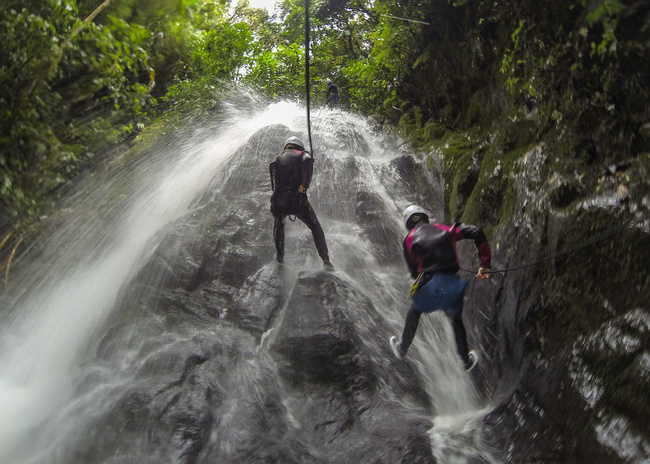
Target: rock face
[566,339]
[214,353]
[225,356]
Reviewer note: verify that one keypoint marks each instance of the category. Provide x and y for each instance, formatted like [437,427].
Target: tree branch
[50,63]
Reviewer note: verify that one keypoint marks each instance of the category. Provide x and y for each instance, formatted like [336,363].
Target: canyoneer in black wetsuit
[332,97]
[430,253]
[291,174]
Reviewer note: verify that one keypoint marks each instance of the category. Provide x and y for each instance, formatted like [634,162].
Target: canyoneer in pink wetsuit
[430,253]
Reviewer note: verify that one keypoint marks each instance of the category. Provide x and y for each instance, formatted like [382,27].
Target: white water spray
[67,302]
[63,305]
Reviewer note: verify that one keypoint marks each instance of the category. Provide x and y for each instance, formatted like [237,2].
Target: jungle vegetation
[82,77]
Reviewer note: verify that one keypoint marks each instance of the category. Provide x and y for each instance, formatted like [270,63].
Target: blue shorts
[443,292]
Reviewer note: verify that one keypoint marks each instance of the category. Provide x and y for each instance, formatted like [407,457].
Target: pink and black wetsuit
[430,249]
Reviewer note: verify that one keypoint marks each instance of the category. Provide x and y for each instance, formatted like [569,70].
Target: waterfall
[69,294]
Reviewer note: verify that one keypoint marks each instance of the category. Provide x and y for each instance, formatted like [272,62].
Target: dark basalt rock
[315,333]
[239,360]
[259,300]
[330,364]
[415,182]
[562,338]
[374,219]
[234,359]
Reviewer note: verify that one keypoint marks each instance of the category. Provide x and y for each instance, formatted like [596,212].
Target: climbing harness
[416,285]
[608,233]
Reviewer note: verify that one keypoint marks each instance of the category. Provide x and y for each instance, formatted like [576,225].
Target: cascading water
[152,325]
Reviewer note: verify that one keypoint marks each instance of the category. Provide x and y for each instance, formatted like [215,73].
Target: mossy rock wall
[564,334]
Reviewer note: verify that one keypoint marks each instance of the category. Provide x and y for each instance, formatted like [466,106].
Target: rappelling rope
[307,74]
[607,234]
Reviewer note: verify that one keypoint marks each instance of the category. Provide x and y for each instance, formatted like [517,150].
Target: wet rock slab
[222,356]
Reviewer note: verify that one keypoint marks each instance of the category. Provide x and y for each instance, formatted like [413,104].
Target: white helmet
[412,215]
[296,142]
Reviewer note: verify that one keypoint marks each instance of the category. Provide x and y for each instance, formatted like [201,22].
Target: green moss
[476,189]
[507,210]
[153,134]
[453,147]
[432,131]
[492,200]
[465,176]
[412,125]
[430,163]
[476,110]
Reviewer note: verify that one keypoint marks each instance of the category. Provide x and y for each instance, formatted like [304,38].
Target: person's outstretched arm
[467,231]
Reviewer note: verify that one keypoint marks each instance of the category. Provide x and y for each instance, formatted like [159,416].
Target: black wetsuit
[289,171]
[332,97]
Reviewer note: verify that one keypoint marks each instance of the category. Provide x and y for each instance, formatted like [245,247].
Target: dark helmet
[414,214]
[294,142]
